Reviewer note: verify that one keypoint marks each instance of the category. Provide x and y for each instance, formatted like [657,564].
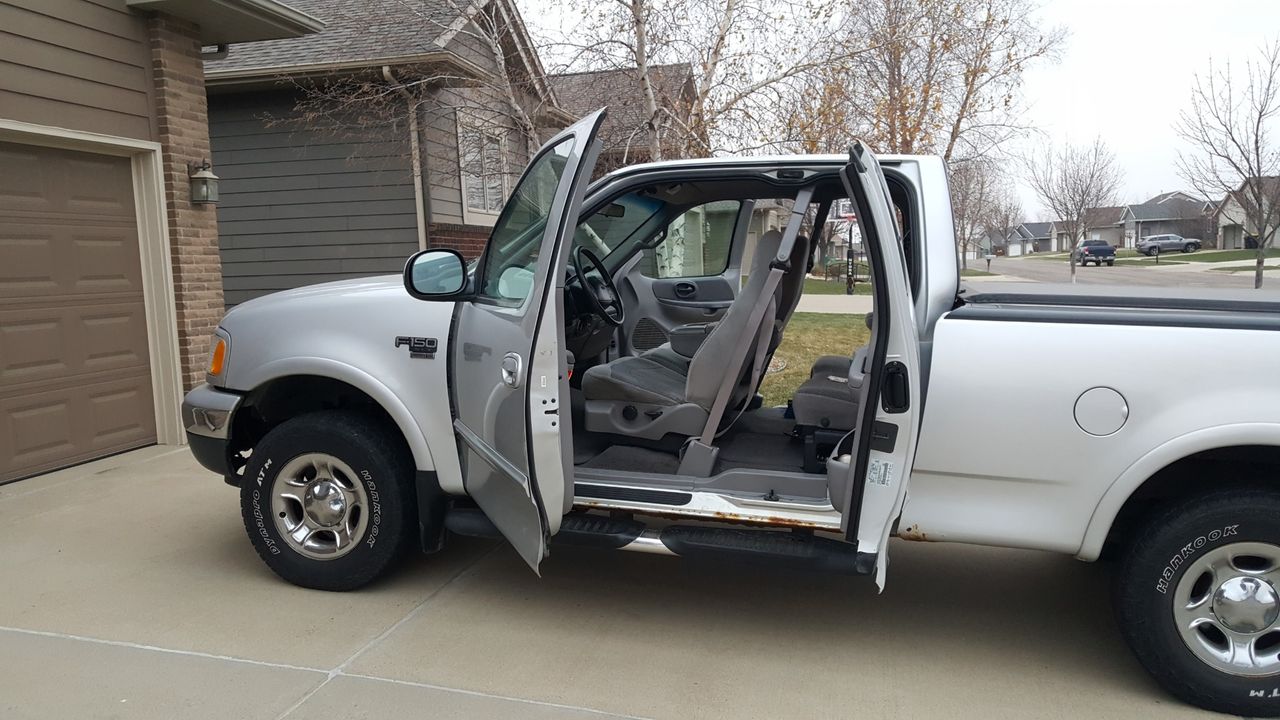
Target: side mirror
[435,274]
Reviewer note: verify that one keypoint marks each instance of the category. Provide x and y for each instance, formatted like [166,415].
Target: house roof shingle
[1104,216]
[1038,230]
[581,93]
[1168,206]
[354,31]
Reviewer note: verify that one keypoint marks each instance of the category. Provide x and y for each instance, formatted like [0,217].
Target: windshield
[610,227]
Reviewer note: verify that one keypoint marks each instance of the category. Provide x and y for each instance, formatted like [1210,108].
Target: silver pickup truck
[593,380]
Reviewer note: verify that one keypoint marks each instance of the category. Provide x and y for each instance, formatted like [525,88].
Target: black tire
[1152,252]
[1189,248]
[1111,263]
[385,474]
[1149,575]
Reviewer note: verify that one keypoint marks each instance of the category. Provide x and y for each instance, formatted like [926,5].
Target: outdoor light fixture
[204,184]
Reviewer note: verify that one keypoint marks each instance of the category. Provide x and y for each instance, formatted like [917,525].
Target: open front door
[508,373]
[885,443]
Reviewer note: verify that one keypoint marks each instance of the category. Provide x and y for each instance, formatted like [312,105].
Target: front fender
[443,461]
[1159,458]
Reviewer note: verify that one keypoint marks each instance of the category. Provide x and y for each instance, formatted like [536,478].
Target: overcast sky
[1127,70]
[1124,73]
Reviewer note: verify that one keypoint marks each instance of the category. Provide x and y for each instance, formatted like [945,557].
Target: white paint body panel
[346,331]
[1001,459]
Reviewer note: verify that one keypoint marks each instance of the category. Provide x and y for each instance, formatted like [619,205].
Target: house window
[484,172]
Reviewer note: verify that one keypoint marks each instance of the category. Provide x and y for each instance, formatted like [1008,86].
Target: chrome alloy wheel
[1226,607]
[320,506]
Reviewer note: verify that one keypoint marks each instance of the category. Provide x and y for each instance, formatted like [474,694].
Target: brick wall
[466,239]
[183,132]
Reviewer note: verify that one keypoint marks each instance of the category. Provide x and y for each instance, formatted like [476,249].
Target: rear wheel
[1197,600]
[1111,262]
[328,500]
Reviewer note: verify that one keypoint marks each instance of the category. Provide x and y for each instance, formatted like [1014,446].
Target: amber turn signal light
[218,358]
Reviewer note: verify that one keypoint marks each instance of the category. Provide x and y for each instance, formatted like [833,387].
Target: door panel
[657,305]
[508,371]
[886,437]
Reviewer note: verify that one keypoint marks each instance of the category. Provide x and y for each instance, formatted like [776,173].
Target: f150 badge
[419,347]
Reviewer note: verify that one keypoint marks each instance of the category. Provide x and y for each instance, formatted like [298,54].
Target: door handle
[686,289]
[511,367]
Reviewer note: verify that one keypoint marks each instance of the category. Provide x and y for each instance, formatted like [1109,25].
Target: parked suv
[1153,244]
[1096,252]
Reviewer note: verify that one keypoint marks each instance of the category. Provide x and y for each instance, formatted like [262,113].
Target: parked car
[536,400]
[1096,252]
[1153,244]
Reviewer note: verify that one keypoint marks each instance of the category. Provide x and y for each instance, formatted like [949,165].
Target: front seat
[643,397]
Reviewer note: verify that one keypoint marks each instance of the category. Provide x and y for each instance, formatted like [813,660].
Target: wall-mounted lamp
[204,184]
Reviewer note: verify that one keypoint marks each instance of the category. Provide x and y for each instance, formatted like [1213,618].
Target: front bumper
[206,414]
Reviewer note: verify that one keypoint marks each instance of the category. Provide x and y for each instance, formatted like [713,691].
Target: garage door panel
[43,259]
[75,377]
[97,186]
[23,185]
[57,343]
[62,426]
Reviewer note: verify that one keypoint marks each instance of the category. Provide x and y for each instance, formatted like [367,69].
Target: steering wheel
[605,301]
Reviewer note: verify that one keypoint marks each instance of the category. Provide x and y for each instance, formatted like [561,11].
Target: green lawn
[1213,256]
[808,336]
[970,272]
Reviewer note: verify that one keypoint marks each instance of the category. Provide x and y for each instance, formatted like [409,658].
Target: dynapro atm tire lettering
[1187,551]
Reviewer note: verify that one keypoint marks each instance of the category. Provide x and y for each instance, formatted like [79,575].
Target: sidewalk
[835,304]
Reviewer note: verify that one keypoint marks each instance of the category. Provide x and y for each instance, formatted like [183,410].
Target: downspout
[419,198]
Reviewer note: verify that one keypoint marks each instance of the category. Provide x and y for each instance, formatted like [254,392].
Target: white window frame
[470,215]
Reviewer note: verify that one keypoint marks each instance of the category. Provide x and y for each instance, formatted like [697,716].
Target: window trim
[470,215]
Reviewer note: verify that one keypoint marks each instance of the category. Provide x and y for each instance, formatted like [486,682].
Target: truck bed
[1120,305]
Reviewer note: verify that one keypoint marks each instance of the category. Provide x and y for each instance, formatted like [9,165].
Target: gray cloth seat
[826,400]
[831,396]
[635,379]
[660,393]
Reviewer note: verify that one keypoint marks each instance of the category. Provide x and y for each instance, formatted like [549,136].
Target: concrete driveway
[130,591]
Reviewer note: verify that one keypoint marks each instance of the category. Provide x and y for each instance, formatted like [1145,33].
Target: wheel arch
[323,381]
[1170,471]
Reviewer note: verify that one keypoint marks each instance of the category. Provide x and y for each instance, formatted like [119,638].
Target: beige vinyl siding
[304,205]
[76,64]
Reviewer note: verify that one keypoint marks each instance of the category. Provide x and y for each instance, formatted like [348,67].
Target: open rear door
[508,375]
[885,443]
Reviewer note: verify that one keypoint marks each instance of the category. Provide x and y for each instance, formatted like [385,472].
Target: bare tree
[745,56]
[974,198]
[1072,179]
[502,99]
[1005,217]
[942,76]
[1233,154]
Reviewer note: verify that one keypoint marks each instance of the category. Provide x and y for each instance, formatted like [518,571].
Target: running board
[794,549]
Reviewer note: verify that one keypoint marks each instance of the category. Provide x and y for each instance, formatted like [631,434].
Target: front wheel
[1197,601]
[1189,248]
[328,500]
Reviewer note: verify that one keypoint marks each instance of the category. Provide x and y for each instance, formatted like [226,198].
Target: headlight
[219,349]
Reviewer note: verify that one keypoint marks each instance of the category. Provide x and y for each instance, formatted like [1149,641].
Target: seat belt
[777,268]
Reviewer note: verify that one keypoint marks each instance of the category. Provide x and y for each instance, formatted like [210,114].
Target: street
[1173,276]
